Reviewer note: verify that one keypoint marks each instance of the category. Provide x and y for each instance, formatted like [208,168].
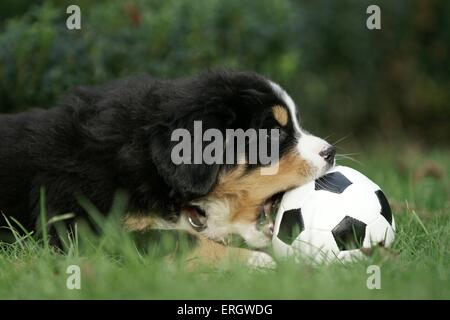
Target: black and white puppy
[119,137]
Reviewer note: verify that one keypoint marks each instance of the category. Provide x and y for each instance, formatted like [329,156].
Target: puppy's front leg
[211,252]
[206,251]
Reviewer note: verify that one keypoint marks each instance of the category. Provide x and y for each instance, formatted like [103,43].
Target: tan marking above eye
[280,114]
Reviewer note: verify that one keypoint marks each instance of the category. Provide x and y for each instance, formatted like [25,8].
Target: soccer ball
[332,218]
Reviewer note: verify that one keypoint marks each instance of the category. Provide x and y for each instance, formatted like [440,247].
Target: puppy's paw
[258,260]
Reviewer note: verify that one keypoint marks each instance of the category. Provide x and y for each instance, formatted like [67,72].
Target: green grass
[117,265]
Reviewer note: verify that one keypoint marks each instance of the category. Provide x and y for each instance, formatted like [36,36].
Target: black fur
[117,137]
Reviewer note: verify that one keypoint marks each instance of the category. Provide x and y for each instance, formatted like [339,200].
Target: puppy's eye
[283,134]
[276,133]
[280,135]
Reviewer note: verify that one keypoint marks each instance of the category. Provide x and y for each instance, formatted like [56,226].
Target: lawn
[121,266]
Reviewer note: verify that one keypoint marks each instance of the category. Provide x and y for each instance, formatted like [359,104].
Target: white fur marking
[261,260]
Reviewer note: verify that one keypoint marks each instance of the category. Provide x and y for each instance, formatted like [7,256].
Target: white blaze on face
[308,146]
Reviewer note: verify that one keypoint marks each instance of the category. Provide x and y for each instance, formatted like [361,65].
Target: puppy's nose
[328,154]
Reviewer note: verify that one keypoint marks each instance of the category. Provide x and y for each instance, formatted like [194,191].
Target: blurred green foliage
[347,80]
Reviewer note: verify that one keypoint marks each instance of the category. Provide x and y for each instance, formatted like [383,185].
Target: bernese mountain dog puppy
[119,136]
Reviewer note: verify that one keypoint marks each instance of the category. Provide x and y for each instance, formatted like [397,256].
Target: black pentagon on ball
[385,208]
[334,182]
[291,225]
[349,233]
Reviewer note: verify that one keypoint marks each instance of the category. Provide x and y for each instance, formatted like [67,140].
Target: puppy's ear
[189,180]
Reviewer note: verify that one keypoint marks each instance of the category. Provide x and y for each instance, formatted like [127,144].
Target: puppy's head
[246,147]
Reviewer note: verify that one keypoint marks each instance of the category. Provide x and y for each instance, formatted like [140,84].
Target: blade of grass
[417,218]
[62,232]
[43,218]
[16,235]
[29,234]
[97,218]
[75,242]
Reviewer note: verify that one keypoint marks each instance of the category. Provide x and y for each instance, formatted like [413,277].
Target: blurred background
[388,84]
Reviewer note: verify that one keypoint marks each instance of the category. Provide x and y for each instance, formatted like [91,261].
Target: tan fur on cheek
[138,222]
[245,191]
